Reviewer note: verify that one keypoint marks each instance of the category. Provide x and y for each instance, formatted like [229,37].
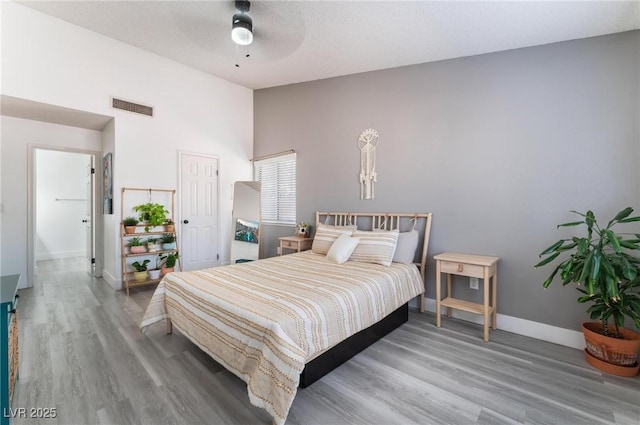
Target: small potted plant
[608,277]
[130,224]
[152,214]
[168,262]
[136,246]
[168,242]
[141,274]
[154,274]
[302,230]
[169,225]
[154,244]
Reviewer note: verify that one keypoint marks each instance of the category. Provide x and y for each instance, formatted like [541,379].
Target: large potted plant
[607,275]
[152,214]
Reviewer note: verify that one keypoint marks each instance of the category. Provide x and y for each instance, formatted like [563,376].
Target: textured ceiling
[300,41]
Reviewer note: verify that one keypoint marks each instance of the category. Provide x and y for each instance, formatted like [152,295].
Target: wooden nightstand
[479,266]
[294,243]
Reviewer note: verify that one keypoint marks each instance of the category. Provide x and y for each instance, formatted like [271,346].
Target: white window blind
[278,178]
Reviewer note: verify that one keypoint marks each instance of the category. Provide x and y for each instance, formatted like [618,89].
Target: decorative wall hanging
[367,143]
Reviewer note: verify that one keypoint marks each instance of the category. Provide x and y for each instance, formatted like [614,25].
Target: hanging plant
[151,213]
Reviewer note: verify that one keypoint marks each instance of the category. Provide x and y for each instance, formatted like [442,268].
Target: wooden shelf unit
[9,353]
[127,276]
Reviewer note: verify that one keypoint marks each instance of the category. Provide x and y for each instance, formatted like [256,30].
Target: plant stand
[128,280]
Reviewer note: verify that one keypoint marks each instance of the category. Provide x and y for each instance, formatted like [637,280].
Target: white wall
[17,134]
[47,60]
[60,189]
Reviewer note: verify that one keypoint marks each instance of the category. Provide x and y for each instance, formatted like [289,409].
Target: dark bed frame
[351,346]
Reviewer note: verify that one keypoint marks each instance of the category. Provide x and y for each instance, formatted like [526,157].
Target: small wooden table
[480,266]
[294,243]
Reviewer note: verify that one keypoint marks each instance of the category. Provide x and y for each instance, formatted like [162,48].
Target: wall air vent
[131,107]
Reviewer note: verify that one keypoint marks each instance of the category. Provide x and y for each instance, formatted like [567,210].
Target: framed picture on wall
[107,185]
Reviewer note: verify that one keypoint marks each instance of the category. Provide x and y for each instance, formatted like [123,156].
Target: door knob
[185,221]
[85,221]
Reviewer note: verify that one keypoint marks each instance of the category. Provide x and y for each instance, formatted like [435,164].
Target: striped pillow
[326,236]
[375,247]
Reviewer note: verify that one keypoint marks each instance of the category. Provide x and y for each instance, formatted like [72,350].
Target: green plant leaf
[630,219]
[547,260]
[573,223]
[552,248]
[621,215]
[595,269]
[611,237]
[629,245]
[585,268]
[548,281]
[628,271]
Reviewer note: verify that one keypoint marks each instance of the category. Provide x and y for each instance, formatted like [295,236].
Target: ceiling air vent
[132,107]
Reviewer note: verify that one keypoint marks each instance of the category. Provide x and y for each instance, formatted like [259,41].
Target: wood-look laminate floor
[82,353]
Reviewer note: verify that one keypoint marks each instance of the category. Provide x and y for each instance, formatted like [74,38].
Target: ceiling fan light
[242,28]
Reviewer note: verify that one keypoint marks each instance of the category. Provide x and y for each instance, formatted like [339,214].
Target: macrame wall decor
[367,143]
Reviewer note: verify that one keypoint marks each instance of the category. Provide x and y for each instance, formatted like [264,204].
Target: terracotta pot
[129,230]
[628,371]
[170,228]
[137,249]
[166,270]
[618,352]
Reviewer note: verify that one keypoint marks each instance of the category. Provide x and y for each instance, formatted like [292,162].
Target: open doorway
[64,200]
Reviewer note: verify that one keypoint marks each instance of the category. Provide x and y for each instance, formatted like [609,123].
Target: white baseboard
[111,280]
[43,256]
[516,325]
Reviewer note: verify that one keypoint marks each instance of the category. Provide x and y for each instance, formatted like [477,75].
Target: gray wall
[499,147]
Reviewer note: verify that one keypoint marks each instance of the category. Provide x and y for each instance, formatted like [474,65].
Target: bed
[283,322]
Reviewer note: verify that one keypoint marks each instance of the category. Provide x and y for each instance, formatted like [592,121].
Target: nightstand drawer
[289,244]
[462,269]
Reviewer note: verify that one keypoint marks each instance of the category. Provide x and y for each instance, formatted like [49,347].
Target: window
[278,178]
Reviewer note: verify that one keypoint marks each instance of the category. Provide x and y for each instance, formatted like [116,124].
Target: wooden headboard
[387,221]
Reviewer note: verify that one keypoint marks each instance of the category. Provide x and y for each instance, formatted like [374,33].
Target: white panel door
[199,211]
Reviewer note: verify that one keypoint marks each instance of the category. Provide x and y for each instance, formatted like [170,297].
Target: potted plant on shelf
[136,246]
[608,277]
[154,244]
[169,225]
[168,242]
[130,224]
[168,262]
[152,214]
[154,274]
[141,274]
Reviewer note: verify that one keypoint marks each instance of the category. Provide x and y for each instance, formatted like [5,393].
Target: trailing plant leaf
[153,214]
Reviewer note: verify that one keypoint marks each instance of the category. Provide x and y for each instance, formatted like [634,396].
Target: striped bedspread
[265,319]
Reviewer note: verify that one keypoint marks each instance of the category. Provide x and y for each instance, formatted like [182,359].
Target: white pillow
[342,249]
[406,247]
[326,236]
[375,247]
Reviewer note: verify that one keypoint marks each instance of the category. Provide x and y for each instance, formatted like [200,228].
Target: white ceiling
[298,41]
